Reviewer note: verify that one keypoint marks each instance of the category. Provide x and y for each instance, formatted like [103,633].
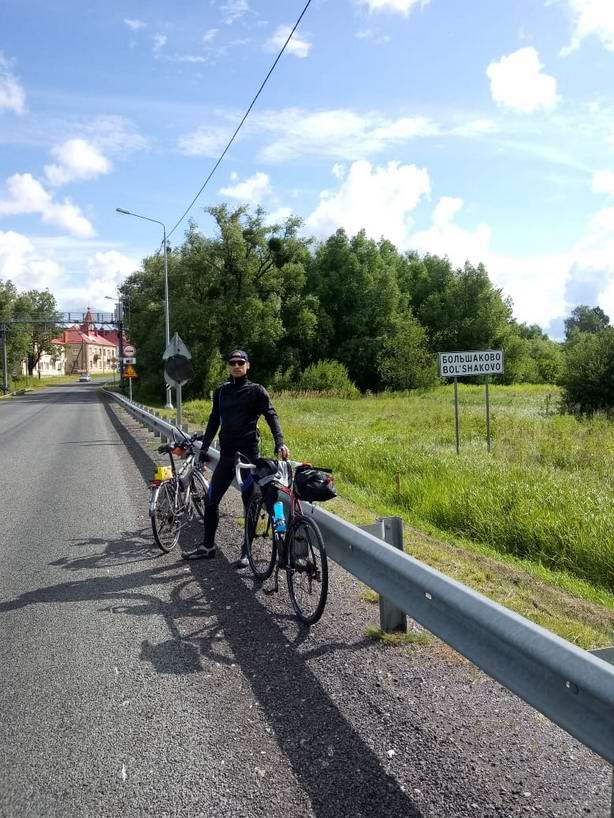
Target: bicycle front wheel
[199,493]
[165,518]
[259,539]
[307,569]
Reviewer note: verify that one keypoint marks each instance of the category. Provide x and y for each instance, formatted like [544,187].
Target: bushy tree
[330,377]
[28,340]
[356,285]
[405,361]
[588,375]
[242,287]
[460,309]
[585,319]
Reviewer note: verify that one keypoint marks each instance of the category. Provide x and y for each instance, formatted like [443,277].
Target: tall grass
[544,493]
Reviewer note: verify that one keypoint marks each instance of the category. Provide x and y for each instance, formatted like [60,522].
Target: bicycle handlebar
[239,465]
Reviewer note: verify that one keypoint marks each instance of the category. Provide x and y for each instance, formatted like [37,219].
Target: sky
[478,129]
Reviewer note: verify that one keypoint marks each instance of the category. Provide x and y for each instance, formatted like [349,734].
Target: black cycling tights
[223,476]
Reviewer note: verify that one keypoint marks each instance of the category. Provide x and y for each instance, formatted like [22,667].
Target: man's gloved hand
[283,452]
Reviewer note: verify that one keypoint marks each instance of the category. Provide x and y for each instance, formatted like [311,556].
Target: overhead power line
[240,125]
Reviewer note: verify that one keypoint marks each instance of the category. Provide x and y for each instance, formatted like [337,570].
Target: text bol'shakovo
[457,364]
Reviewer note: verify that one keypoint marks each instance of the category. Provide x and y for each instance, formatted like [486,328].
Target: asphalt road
[134,684]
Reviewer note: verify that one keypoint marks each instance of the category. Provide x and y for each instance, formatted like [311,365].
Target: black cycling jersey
[237,405]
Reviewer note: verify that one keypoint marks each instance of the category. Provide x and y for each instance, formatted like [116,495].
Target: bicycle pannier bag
[314,485]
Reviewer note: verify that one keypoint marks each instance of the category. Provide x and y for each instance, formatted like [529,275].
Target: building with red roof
[87,348]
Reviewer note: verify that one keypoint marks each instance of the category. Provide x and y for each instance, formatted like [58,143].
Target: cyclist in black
[237,405]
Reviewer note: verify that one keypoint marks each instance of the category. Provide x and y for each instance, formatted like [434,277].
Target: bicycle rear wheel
[199,493]
[165,519]
[307,569]
[259,539]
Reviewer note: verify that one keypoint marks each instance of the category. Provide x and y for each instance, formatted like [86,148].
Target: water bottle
[279,518]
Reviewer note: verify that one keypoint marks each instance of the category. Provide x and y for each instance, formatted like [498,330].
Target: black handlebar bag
[314,485]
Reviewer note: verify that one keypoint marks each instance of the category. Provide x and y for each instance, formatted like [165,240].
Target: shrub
[330,377]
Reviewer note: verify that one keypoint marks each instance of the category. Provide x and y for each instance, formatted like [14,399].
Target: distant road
[134,684]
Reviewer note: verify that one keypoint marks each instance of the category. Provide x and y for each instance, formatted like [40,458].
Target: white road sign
[480,362]
[129,351]
[128,360]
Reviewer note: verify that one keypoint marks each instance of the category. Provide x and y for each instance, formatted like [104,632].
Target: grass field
[540,500]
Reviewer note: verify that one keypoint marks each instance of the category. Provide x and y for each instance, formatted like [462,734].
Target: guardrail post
[392,618]
[389,529]
[155,431]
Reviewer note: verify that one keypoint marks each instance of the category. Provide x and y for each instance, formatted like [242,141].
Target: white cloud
[536,285]
[32,264]
[115,134]
[278,216]
[106,271]
[24,266]
[542,288]
[338,170]
[459,244]
[603,221]
[378,200]
[298,46]
[27,195]
[252,190]
[159,41]
[475,127]
[209,35]
[77,160]
[233,10]
[603,182]
[336,133]
[205,142]
[12,94]
[134,25]
[591,17]
[395,6]
[516,82]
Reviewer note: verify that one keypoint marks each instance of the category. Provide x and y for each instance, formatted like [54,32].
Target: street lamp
[169,402]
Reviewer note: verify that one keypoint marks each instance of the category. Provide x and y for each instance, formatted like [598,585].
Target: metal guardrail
[570,686]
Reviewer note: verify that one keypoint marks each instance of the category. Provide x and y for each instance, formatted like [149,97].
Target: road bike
[294,545]
[177,495]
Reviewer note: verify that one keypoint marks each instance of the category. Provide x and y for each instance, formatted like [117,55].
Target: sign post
[466,364]
[130,374]
[456,423]
[178,368]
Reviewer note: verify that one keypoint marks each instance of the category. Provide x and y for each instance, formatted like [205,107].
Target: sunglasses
[236,362]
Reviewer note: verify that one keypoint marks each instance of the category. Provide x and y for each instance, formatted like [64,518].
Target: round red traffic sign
[129,351]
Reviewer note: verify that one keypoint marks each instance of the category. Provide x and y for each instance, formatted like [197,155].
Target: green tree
[242,287]
[460,309]
[585,319]
[588,375]
[37,335]
[405,361]
[355,281]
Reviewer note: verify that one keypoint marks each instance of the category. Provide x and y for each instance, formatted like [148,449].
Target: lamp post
[169,402]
